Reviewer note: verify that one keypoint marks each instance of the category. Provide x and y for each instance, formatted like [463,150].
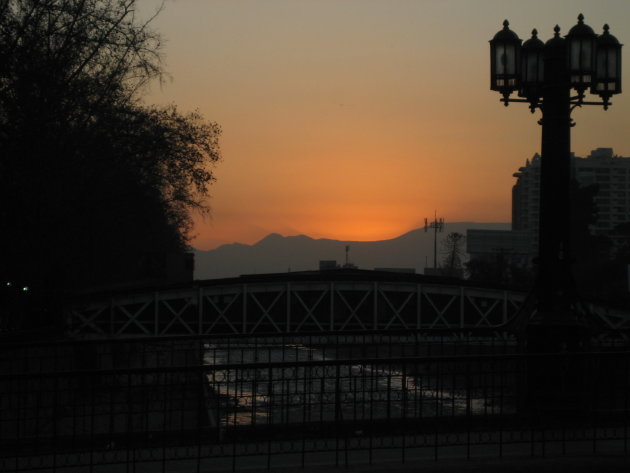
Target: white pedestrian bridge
[309,302]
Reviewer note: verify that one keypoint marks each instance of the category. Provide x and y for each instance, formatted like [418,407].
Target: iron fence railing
[87,354]
[231,406]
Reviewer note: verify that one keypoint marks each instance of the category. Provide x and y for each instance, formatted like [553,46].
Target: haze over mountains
[277,254]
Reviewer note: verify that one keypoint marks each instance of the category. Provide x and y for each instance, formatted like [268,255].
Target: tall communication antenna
[437,226]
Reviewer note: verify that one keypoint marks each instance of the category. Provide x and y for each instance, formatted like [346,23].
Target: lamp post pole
[554,279]
[544,75]
[555,324]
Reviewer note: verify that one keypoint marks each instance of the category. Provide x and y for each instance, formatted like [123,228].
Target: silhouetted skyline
[354,120]
[278,254]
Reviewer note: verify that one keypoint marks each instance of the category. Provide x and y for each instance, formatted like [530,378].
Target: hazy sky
[355,119]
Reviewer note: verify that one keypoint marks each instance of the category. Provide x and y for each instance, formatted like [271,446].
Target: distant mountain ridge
[277,254]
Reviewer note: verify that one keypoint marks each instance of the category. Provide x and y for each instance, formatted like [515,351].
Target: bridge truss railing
[279,307]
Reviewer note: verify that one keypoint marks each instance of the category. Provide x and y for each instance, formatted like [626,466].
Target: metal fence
[211,405]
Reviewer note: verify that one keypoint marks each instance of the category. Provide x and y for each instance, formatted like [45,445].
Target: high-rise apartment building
[611,174]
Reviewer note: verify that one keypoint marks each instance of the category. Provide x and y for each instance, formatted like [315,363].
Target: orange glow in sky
[356,119]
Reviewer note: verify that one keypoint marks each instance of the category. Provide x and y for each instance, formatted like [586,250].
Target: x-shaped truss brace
[87,320]
[309,310]
[132,318]
[353,311]
[484,314]
[221,315]
[398,310]
[440,313]
[177,315]
[265,311]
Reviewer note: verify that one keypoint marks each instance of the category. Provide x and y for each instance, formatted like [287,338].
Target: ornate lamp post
[544,75]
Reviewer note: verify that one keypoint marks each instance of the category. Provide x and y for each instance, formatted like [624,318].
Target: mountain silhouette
[278,254]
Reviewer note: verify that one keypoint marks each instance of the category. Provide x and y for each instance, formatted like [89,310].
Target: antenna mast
[437,226]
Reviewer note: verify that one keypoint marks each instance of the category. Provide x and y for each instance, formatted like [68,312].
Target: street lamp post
[554,77]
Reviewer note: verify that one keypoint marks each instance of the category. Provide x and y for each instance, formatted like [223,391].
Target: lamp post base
[555,368]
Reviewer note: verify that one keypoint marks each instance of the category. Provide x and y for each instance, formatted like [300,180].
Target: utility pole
[437,226]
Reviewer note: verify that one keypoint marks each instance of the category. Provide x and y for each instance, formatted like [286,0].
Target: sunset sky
[355,119]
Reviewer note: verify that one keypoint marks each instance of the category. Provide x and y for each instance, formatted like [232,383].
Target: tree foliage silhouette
[91,179]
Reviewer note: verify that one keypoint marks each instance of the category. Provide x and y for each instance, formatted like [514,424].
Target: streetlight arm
[579,104]
[515,100]
[532,105]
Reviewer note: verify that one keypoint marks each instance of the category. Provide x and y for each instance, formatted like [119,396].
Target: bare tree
[453,254]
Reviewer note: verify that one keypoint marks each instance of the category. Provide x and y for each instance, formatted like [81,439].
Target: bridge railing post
[200,311]
[419,307]
[332,306]
[244,293]
[288,289]
[462,295]
[156,313]
[375,308]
